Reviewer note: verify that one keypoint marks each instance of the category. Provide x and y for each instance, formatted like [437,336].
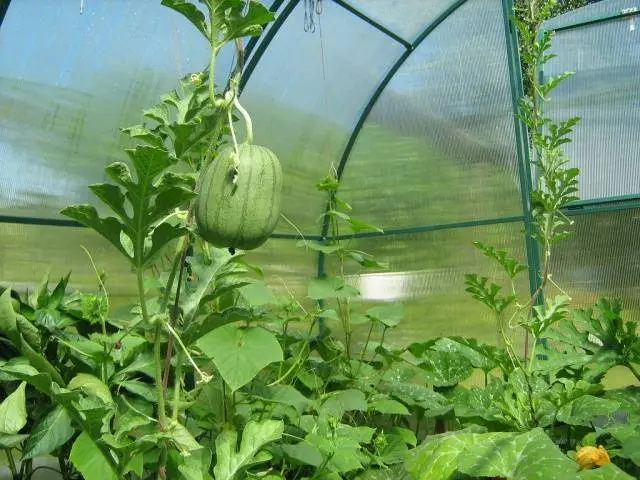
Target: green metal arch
[371,103]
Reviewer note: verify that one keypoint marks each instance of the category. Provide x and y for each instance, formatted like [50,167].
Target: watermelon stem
[247,119]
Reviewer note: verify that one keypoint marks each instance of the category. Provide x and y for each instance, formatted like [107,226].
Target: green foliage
[212,375]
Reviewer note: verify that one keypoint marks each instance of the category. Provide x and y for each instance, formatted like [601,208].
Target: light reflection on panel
[426,274]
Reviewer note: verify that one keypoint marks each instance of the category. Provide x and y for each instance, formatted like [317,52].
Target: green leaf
[518,457]
[256,435]
[13,411]
[303,453]
[319,246]
[196,465]
[359,226]
[50,433]
[258,294]
[445,368]
[330,287]
[191,13]
[89,460]
[585,409]
[289,395]
[437,457]
[109,227]
[240,353]
[112,196]
[12,441]
[388,406]
[390,315]
[345,401]
[8,325]
[608,472]
[91,385]
[162,235]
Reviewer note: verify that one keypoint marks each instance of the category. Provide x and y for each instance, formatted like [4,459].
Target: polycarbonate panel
[406,18]
[602,259]
[287,268]
[439,145]
[305,97]
[604,91]
[426,273]
[70,80]
[29,251]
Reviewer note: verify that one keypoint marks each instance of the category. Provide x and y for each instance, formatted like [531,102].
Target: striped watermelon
[241,214]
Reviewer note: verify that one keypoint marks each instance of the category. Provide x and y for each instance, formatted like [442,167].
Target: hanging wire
[312,8]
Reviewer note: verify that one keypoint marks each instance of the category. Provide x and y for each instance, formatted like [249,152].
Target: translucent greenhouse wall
[600,43]
[411,102]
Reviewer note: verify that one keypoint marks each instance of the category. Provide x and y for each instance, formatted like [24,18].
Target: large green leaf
[527,456]
[345,401]
[89,460]
[50,433]
[136,236]
[389,315]
[13,411]
[230,461]
[445,368]
[585,410]
[240,353]
[91,385]
[437,457]
[330,287]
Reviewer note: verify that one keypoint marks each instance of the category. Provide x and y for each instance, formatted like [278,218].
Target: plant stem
[12,463]
[212,59]
[247,119]
[157,354]
[157,351]
[175,410]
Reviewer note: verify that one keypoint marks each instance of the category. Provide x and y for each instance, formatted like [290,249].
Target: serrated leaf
[109,227]
[141,133]
[161,236]
[255,436]
[191,13]
[240,353]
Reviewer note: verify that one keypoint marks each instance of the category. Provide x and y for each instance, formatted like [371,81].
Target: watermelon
[239,208]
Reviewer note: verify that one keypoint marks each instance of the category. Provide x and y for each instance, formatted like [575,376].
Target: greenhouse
[319,239]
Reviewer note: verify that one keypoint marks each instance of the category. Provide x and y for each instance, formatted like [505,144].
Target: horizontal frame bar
[628,12]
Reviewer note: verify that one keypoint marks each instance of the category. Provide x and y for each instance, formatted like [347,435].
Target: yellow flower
[589,457]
